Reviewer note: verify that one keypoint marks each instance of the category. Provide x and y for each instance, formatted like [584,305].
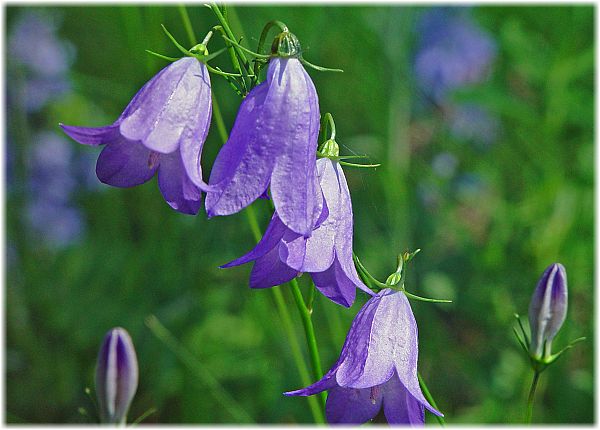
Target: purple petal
[344,227]
[399,406]
[243,167]
[548,307]
[292,113]
[327,382]
[352,406]
[335,285]
[269,271]
[397,336]
[316,253]
[116,376]
[123,163]
[355,351]
[270,240]
[177,189]
[161,113]
[92,135]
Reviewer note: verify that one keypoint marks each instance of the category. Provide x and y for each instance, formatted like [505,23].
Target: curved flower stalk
[162,129]
[377,367]
[273,142]
[116,376]
[547,310]
[282,254]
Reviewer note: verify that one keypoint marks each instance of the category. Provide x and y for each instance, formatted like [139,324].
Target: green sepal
[319,68]
[176,43]
[425,299]
[554,357]
[163,57]
[365,166]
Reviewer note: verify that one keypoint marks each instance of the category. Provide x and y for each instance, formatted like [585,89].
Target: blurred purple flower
[162,129]
[326,255]
[474,123]
[49,161]
[377,367]
[548,309]
[57,225]
[273,141]
[116,376]
[453,52]
[444,164]
[44,59]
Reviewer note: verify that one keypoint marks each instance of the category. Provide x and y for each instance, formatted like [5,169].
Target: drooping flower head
[162,129]
[273,142]
[547,309]
[377,367]
[282,254]
[116,376]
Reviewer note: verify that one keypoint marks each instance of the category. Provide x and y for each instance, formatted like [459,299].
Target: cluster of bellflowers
[547,313]
[273,152]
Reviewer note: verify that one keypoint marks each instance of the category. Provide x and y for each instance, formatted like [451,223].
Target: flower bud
[547,310]
[285,45]
[116,376]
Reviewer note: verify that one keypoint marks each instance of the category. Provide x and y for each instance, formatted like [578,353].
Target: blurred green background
[492,177]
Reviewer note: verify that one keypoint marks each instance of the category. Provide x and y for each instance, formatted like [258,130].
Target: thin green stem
[429,398]
[288,326]
[534,383]
[309,330]
[284,315]
[187,24]
[234,52]
[317,410]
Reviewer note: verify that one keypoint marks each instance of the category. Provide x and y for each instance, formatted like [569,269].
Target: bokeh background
[482,119]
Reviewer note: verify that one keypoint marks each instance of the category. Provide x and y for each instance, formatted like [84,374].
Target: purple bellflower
[273,141]
[547,310]
[162,129]
[282,254]
[116,376]
[377,367]
[453,52]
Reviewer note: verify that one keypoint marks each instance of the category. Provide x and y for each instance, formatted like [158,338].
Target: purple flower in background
[453,52]
[56,224]
[475,123]
[116,376]
[162,129]
[51,184]
[327,254]
[273,141]
[44,59]
[377,367]
[547,310]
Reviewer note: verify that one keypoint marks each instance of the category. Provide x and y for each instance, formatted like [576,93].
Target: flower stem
[316,409]
[529,413]
[187,24]
[309,330]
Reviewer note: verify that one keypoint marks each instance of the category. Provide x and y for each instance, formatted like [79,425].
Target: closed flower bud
[547,310]
[116,376]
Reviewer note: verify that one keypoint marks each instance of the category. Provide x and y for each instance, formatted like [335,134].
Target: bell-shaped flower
[273,141]
[116,376]
[547,309]
[282,254]
[162,129]
[377,367]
